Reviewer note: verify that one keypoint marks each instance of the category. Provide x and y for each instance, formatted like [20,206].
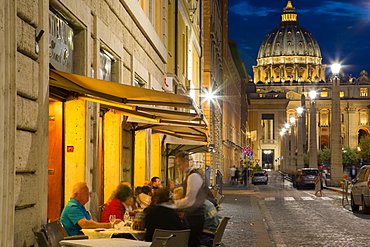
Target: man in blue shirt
[75,216]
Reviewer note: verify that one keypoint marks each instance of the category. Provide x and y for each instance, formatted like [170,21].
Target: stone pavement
[246,226]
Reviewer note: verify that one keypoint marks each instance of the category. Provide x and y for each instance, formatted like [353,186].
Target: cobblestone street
[279,215]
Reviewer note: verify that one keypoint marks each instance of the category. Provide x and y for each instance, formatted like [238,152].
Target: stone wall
[23,121]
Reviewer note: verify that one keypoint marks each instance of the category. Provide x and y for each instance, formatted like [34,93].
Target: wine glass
[112,219]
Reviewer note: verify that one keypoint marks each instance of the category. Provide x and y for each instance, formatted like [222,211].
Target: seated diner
[74,216]
[161,214]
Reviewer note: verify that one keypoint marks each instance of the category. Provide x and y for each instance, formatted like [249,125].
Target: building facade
[288,68]
[108,91]
[65,66]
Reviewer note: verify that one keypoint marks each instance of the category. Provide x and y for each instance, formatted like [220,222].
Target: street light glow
[312,95]
[335,68]
[209,96]
[286,125]
[292,120]
[300,110]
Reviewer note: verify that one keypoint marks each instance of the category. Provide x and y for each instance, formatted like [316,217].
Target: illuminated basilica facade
[288,68]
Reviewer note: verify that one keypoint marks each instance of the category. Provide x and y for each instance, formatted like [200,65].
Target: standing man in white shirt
[194,197]
[232,174]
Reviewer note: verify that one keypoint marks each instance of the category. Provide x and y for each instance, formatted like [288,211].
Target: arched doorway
[362,133]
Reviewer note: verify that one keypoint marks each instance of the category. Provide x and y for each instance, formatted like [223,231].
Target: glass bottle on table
[126,216]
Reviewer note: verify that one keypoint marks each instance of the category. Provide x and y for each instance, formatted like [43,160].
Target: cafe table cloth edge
[111,242]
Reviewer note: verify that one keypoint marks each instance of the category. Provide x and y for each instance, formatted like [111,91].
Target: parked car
[306,177]
[260,177]
[360,192]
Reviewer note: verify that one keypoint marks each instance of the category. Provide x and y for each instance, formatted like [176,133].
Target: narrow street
[279,215]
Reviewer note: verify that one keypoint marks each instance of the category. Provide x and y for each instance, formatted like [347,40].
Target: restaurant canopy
[149,108]
[179,129]
[175,145]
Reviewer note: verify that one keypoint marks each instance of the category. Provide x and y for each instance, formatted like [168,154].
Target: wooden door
[55,161]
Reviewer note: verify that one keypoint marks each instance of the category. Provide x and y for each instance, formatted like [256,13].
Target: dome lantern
[289,13]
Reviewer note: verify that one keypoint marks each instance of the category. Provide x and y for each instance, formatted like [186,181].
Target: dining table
[105,242]
[108,233]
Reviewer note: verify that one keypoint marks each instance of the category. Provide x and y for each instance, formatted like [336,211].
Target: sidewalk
[246,226]
[338,190]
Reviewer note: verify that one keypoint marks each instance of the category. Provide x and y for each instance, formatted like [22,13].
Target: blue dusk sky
[341,28]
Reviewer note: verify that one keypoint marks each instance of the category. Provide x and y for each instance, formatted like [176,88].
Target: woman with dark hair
[122,200]
[161,214]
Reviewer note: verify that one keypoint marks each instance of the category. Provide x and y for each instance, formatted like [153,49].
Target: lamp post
[335,129]
[301,133]
[292,144]
[287,151]
[313,139]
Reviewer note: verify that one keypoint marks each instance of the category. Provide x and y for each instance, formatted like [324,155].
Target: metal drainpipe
[166,157]
[176,36]
[133,131]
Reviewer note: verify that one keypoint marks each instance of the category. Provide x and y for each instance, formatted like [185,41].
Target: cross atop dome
[289,13]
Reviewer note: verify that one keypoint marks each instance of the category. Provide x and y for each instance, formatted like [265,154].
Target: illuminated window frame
[363,117]
[364,92]
[324,94]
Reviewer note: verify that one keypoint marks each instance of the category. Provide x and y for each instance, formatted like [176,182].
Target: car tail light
[303,175]
[368,184]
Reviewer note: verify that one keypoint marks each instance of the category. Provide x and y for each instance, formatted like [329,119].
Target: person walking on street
[194,196]
[232,174]
[244,175]
[353,172]
[237,175]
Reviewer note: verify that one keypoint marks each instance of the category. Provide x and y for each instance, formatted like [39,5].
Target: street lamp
[287,150]
[292,144]
[335,129]
[313,139]
[300,143]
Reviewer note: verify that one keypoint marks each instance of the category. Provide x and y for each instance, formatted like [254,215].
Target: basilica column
[335,130]
[352,125]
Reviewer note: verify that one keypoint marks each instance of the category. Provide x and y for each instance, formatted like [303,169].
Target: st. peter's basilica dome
[289,53]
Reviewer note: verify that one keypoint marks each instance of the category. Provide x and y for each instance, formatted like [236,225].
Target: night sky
[341,28]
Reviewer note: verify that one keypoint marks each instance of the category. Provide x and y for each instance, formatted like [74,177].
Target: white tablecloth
[107,233]
[111,242]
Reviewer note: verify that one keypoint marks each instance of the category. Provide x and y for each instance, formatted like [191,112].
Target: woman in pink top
[123,199]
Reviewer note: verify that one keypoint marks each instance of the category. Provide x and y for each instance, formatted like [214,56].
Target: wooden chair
[170,238]
[55,232]
[217,235]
